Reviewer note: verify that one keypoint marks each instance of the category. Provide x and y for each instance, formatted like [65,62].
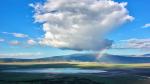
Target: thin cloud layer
[134,44]
[14,43]
[31,42]
[79,24]
[18,35]
[14,55]
[2,40]
[146,25]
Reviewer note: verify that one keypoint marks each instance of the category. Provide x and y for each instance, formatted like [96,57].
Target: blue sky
[138,9]
[16,17]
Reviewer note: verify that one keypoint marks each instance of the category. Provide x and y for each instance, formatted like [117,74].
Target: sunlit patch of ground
[117,73]
[81,64]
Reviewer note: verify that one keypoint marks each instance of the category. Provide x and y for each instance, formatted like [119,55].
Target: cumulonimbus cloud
[79,24]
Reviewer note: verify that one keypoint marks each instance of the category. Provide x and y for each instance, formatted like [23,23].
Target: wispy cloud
[18,35]
[28,41]
[2,40]
[31,42]
[134,44]
[146,25]
[12,55]
[14,42]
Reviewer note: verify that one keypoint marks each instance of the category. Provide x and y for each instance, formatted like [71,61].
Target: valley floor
[72,64]
[116,73]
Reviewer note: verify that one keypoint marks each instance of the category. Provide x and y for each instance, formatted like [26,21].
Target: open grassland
[72,64]
[117,73]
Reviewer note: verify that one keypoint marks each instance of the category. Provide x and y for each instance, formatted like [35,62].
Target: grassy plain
[73,64]
[117,73]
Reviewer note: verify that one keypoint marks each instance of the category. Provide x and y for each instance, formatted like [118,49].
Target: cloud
[8,55]
[2,40]
[79,24]
[14,43]
[134,44]
[146,25]
[18,35]
[31,42]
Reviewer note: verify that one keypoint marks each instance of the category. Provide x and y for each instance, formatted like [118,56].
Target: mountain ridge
[106,58]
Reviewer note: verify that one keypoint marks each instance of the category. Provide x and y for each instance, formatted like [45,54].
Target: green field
[71,64]
[117,73]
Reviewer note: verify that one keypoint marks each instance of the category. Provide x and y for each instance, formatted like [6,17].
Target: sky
[43,28]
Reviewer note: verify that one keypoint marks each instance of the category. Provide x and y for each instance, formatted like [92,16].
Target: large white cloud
[79,24]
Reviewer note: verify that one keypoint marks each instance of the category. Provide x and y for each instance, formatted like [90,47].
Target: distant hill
[74,57]
[124,59]
[146,55]
[88,58]
[14,60]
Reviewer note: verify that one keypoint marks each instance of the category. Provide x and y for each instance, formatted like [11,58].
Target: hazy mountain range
[106,58]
